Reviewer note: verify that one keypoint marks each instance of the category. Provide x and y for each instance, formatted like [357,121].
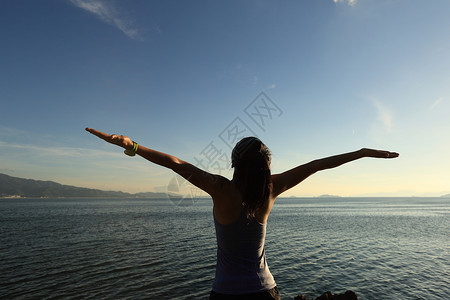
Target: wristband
[132,152]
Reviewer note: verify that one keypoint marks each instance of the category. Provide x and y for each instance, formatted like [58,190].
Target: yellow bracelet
[132,152]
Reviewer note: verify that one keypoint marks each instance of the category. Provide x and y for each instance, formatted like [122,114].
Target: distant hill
[14,186]
[328,196]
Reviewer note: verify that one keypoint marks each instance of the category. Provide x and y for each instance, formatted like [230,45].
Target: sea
[380,248]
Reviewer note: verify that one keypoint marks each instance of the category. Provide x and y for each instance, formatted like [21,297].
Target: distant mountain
[14,186]
[446,196]
[328,196]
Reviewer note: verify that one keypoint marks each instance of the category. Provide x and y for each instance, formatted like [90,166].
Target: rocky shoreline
[348,295]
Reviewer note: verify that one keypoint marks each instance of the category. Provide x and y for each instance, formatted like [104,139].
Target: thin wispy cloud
[9,132]
[109,14]
[58,151]
[158,30]
[384,115]
[77,158]
[349,2]
[436,103]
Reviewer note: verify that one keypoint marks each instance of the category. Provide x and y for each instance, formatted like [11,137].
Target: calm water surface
[382,248]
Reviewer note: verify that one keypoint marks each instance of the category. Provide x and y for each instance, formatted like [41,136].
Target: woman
[241,208]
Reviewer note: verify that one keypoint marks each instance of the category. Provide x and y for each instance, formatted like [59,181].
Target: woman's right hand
[119,140]
[378,153]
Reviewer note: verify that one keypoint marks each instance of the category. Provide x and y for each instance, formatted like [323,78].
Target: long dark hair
[251,162]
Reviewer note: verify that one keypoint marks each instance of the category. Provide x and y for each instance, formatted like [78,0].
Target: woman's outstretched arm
[286,180]
[207,182]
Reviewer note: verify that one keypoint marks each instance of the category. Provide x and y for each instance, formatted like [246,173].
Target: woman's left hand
[119,140]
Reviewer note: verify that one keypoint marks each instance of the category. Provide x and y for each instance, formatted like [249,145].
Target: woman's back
[228,204]
[241,262]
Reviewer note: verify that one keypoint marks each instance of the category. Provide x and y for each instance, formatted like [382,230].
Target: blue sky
[324,77]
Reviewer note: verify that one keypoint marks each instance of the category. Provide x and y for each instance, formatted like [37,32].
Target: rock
[348,295]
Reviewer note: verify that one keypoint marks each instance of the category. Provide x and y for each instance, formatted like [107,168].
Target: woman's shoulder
[222,186]
[227,192]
